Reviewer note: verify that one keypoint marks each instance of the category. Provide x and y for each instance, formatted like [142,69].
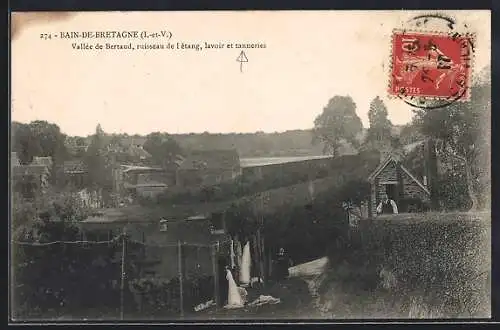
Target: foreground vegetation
[434,265]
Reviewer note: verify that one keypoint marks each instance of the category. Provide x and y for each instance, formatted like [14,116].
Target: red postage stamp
[431,65]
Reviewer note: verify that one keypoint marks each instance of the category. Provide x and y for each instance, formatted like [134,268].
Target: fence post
[122,288]
[179,257]
[216,277]
[260,242]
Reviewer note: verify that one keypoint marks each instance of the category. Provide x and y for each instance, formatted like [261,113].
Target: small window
[163,225]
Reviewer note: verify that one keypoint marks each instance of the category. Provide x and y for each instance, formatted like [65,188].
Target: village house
[75,173]
[46,161]
[142,181]
[400,185]
[161,229]
[30,179]
[208,167]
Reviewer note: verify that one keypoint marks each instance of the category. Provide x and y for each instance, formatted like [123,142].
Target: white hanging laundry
[245,265]
[232,255]
[234,299]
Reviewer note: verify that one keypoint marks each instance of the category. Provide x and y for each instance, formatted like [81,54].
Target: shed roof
[391,158]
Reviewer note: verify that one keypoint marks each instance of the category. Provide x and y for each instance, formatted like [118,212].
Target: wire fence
[118,278]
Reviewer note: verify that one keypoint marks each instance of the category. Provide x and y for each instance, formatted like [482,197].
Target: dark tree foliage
[163,148]
[461,131]
[380,131]
[337,123]
[38,138]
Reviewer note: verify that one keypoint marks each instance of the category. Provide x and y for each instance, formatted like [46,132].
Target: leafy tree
[38,138]
[338,122]
[461,131]
[98,164]
[163,148]
[45,276]
[410,133]
[379,132]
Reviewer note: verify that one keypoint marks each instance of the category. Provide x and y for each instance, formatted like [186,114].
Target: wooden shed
[392,178]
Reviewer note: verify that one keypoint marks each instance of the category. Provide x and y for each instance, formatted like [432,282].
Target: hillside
[259,144]
[290,143]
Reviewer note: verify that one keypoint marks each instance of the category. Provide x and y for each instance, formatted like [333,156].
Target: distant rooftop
[263,161]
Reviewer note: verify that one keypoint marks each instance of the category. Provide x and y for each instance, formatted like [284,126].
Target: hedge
[443,256]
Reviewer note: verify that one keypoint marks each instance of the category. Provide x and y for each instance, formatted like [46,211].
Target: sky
[309,58]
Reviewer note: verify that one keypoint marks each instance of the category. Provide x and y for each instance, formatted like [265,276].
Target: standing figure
[387,206]
[282,264]
[223,283]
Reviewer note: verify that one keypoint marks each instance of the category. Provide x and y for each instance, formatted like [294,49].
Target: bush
[444,256]
[158,296]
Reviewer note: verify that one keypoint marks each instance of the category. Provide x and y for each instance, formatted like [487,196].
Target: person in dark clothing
[387,206]
[223,283]
[282,263]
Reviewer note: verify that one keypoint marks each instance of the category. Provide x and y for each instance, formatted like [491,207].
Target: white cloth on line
[234,299]
[232,254]
[245,265]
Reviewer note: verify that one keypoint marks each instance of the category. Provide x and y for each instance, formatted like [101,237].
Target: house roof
[25,170]
[46,161]
[140,169]
[75,149]
[392,158]
[74,166]
[211,159]
[137,213]
[135,151]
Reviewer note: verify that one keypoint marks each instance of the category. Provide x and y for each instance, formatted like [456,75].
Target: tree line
[459,131]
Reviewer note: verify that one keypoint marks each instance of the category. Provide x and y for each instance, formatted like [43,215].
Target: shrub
[444,256]
[158,296]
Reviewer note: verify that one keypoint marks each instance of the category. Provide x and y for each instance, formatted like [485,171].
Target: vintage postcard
[250,165]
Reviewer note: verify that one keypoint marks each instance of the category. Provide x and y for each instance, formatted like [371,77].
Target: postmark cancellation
[431,65]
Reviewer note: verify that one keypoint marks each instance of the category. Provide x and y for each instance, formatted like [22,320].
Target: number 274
[45,36]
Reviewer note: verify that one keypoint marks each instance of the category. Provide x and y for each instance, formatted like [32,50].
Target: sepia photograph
[250,165]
